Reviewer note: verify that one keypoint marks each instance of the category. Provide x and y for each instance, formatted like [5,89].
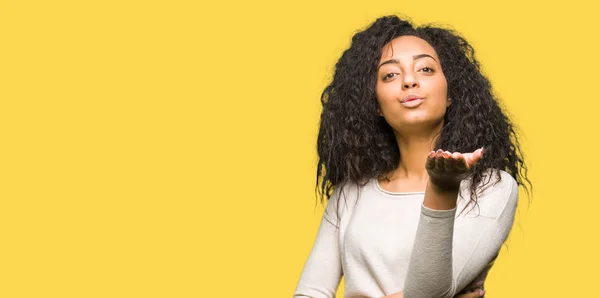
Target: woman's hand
[446,170]
[472,292]
[475,289]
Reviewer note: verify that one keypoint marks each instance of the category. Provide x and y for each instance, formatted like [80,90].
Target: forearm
[430,268]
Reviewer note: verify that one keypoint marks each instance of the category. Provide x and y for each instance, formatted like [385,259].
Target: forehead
[407,46]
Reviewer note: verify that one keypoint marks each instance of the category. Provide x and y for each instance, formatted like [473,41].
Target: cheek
[438,87]
[389,108]
[443,88]
[437,94]
[385,96]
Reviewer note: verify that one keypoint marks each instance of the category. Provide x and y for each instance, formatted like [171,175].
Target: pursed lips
[411,97]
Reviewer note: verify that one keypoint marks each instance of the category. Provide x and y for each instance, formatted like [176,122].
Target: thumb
[473,158]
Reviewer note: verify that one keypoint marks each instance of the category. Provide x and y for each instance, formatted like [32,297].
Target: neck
[414,149]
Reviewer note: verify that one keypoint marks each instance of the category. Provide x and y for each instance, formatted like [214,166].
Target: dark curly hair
[356,144]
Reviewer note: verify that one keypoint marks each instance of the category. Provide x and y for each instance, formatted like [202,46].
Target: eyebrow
[415,57]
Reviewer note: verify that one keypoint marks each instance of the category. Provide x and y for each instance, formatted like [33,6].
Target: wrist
[440,198]
[443,187]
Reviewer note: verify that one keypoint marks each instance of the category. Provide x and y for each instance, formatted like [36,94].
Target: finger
[456,161]
[475,294]
[430,163]
[473,158]
[477,154]
[439,161]
[448,162]
[471,289]
[461,163]
[474,286]
[456,155]
[468,295]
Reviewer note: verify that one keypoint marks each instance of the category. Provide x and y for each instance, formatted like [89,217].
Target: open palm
[446,169]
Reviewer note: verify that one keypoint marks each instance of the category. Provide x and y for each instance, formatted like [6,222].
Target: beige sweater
[379,233]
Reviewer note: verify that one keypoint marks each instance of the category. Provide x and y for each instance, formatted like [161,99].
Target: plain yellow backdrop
[167,148]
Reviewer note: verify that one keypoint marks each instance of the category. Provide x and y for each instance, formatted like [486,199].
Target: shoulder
[493,181]
[496,193]
[342,199]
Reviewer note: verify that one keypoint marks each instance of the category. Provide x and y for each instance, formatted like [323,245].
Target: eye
[426,69]
[389,76]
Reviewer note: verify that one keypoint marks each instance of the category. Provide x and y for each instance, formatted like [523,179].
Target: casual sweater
[384,242]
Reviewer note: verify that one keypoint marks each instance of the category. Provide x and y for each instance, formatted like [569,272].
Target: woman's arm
[323,270]
[448,253]
[430,266]
[474,289]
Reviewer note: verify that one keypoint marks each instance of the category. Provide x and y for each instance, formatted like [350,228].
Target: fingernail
[481,293]
[480,283]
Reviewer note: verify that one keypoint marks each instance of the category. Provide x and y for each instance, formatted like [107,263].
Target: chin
[418,124]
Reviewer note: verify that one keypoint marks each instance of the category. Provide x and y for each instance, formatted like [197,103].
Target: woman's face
[411,87]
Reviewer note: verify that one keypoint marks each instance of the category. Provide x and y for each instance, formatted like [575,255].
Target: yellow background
[167,148]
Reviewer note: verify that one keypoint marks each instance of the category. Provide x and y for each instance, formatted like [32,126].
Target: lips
[412,101]
[411,97]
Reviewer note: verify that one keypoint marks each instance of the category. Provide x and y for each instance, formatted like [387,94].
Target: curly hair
[356,144]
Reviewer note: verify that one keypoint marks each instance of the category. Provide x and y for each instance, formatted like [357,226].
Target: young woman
[419,165]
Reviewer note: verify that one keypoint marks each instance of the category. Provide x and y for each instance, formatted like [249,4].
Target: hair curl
[356,144]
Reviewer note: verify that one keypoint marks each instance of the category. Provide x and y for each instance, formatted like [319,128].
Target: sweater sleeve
[322,271]
[449,252]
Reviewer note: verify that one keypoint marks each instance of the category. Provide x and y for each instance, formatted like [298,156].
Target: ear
[379,111]
[448,102]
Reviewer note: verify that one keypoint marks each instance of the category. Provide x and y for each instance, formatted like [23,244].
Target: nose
[410,81]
